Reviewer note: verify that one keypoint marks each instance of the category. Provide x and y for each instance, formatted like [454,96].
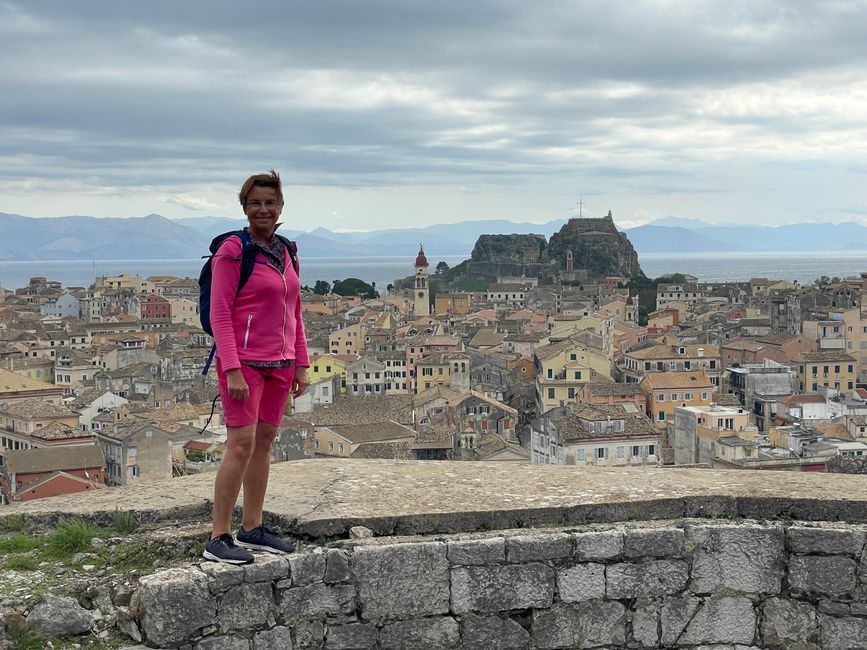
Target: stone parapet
[677,584]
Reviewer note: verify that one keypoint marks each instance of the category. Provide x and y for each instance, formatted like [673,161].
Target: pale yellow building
[833,369]
[667,391]
[563,367]
[185,312]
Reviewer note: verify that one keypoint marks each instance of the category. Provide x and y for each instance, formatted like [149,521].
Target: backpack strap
[292,247]
[248,258]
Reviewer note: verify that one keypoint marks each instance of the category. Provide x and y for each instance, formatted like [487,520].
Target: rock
[307,568]
[645,623]
[493,633]
[317,601]
[539,547]
[654,542]
[747,559]
[581,582]
[605,545]
[97,542]
[126,623]
[815,574]
[789,624]
[825,541]
[653,578]
[308,634]
[501,587]
[360,532]
[221,575]
[477,552]
[266,568]
[277,638]
[401,580]
[175,604]
[843,633]
[223,643]
[78,558]
[719,619]
[353,636]
[246,607]
[425,633]
[588,625]
[336,566]
[57,616]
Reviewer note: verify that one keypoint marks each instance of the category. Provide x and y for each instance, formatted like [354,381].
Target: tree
[354,287]
[390,288]
[442,267]
[321,287]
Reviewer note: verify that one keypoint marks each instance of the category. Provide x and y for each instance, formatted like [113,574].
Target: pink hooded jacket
[263,323]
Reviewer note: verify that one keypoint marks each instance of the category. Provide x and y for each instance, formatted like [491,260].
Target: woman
[261,359]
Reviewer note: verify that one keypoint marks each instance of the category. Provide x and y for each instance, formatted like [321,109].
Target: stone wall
[689,583]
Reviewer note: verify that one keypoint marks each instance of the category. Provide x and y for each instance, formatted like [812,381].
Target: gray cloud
[648,98]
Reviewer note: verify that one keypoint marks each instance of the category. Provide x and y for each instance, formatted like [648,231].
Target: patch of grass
[24,637]
[21,562]
[19,544]
[124,522]
[72,536]
[13,524]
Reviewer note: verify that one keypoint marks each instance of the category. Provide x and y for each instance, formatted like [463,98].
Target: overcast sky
[394,113]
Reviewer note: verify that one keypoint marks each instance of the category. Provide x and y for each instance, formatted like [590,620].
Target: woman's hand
[238,388]
[299,384]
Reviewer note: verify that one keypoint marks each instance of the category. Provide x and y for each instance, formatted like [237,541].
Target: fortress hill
[478,555]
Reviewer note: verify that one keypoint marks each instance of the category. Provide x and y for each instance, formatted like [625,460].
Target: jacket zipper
[283,329]
[247,333]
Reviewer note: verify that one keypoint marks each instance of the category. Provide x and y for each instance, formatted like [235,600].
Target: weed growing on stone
[72,536]
[21,562]
[19,544]
[124,522]
[13,524]
[23,637]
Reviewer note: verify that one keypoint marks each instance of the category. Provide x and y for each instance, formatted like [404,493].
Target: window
[636,451]
[850,368]
[571,392]
[550,373]
[573,357]
[620,452]
[712,364]
[651,450]
[340,449]
[647,365]
[674,397]
[550,393]
[687,396]
[660,397]
[578,375]
[580,454]
[330,446]
[601,453]
[704,395]
[132,471]
[661,416]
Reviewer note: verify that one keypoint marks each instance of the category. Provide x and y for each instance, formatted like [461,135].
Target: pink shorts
[269,393]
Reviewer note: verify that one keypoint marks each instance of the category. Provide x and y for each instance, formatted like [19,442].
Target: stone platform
[324,497]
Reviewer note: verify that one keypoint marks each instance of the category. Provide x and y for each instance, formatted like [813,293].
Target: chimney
[701,352]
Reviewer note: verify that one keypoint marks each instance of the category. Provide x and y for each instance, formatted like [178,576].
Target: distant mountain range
[156,237]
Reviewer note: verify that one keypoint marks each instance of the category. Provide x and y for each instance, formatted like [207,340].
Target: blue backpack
[247,259]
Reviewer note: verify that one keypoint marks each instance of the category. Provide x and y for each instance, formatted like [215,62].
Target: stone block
[401,580]
[317,601]
[654,542]
[309,635]
[501,587]
[175,605]
[477,552]
[581,582]
[306,568]
[539,547]
[746,559]
[645,623]
[588,625]
[789,624]
[647,579]
[352,636]
[825,541]
[55,616]
[689,620]
[277,638]
[223,643]
[604,545]
[439,633]
[266,568]
[336,566]
[833,607]
[248,606]
[842,633]
[492,633]
[221,576]
[818,574]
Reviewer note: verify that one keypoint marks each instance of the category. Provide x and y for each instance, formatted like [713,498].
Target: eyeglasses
[258,205]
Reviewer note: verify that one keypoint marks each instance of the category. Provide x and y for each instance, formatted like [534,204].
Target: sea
[708,267]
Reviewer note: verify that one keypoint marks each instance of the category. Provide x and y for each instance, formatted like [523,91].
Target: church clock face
[421,294]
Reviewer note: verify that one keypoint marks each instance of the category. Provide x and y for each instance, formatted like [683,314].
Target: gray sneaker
[224,549]
[262,539]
